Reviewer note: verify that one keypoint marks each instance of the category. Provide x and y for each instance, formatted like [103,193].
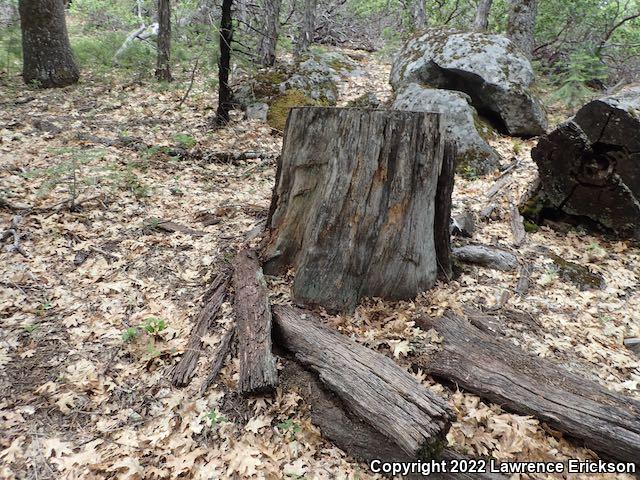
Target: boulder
[489,68]
[590,165]
[461,121]
[257,111]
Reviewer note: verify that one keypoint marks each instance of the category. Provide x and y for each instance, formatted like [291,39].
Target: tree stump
[589,165]
[354,206]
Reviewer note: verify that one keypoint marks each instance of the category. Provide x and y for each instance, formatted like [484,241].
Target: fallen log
[489,257]
[253,315]
[183,371]
[355,208]
[405,416]
[218,358]
[520,382]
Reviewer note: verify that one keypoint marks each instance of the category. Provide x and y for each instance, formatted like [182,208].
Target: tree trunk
[589,165]
[257,364]
[354,207]
[269,39]
[407,417]
[502,373]
[420,21]
[225,96]
[8,14]
[521,24]
[163,68]
[481,22]
[307,25]
[47,58]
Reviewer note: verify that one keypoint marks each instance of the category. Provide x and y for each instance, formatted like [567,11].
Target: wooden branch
[517,225]
[370,385]
[183,371]
[257,364]
[218,358]
[500,372]
[523,281]
[173,227]
[485,256]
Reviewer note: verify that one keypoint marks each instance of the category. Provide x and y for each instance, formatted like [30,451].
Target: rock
[633,344]
[475,155]
[590,165]
[463,225]
[488,68]
[257,111]
[366,100]
[489,257]
[577,274]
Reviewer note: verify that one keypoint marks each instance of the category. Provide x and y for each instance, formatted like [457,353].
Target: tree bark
[225,96]
[419,15]
[355,205]
[521,24]
[406,416]
[442,221]
[47,58]
[481,22]
[8,14]
[163,68]
[269,38]
[500,372]
[307,25]
[257,364]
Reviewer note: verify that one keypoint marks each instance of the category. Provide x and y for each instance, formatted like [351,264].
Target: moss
[530,227]
[279,108]
[267,84]
[577,274]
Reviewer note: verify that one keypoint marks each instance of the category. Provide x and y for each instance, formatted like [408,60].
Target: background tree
[225,96]
[269,38]
[307,25]
[521,24]
[419,15]
[163,68]
[47,57]
[481,22]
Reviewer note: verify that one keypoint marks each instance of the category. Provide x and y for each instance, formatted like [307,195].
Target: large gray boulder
[488,68]
[461,122]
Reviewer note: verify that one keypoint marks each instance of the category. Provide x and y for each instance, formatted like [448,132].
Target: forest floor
[96,314]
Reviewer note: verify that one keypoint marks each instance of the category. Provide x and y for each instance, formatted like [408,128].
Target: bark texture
[225,96]
[257,364]
[419,14]
[307,25]
[381,395]
[589,165]
[481,22]
[354,206]
[521,24]
[500,372]
[269,37]
[163,67]
[47,58]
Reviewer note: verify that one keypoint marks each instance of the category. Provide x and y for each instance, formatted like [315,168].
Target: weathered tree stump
[401,415]
[354,208]
[590,165]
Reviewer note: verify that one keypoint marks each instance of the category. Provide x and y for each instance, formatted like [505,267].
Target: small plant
[130,334]
[153,325]
[30,328]
[289,426]
[548,277]
[582,68]
[517,147]
[184,140]
[214,418]
[44,306]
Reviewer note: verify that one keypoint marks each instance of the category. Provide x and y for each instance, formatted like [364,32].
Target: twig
[12,231]
[105,253]
[193,74]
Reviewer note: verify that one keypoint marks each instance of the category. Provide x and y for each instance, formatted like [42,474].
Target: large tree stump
[590,165]
[500,372]
[404,415]
[354,208]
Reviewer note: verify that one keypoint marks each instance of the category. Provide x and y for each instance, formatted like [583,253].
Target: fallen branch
[183,371]
[523,281]
[517,224]
[485,256]
[172,227]
[502,373]
[218,358]
[12,231]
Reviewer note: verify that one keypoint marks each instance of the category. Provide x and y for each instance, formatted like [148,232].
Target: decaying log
[500,372]
[517,224]
[374,389]
[442,221]
[524,279]
[173,227]
[258,372]
[183,371]
[355,436]
[489,257]
[355,212]
[589,165]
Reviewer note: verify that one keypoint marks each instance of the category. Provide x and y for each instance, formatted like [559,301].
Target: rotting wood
[172,227]
[354,435]
[370,385]
[517,224]
[500,372]
[490,257]
[253,315]
[442,221]
[218,358]
[355,205]
[183,371]
[524,279]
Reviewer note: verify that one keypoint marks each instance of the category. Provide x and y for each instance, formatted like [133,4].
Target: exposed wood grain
[183,371]
[490,257]
[517,224]
[500,372]
[257,364]
[355,205]
[370,386]
[442,222]
[218,358]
